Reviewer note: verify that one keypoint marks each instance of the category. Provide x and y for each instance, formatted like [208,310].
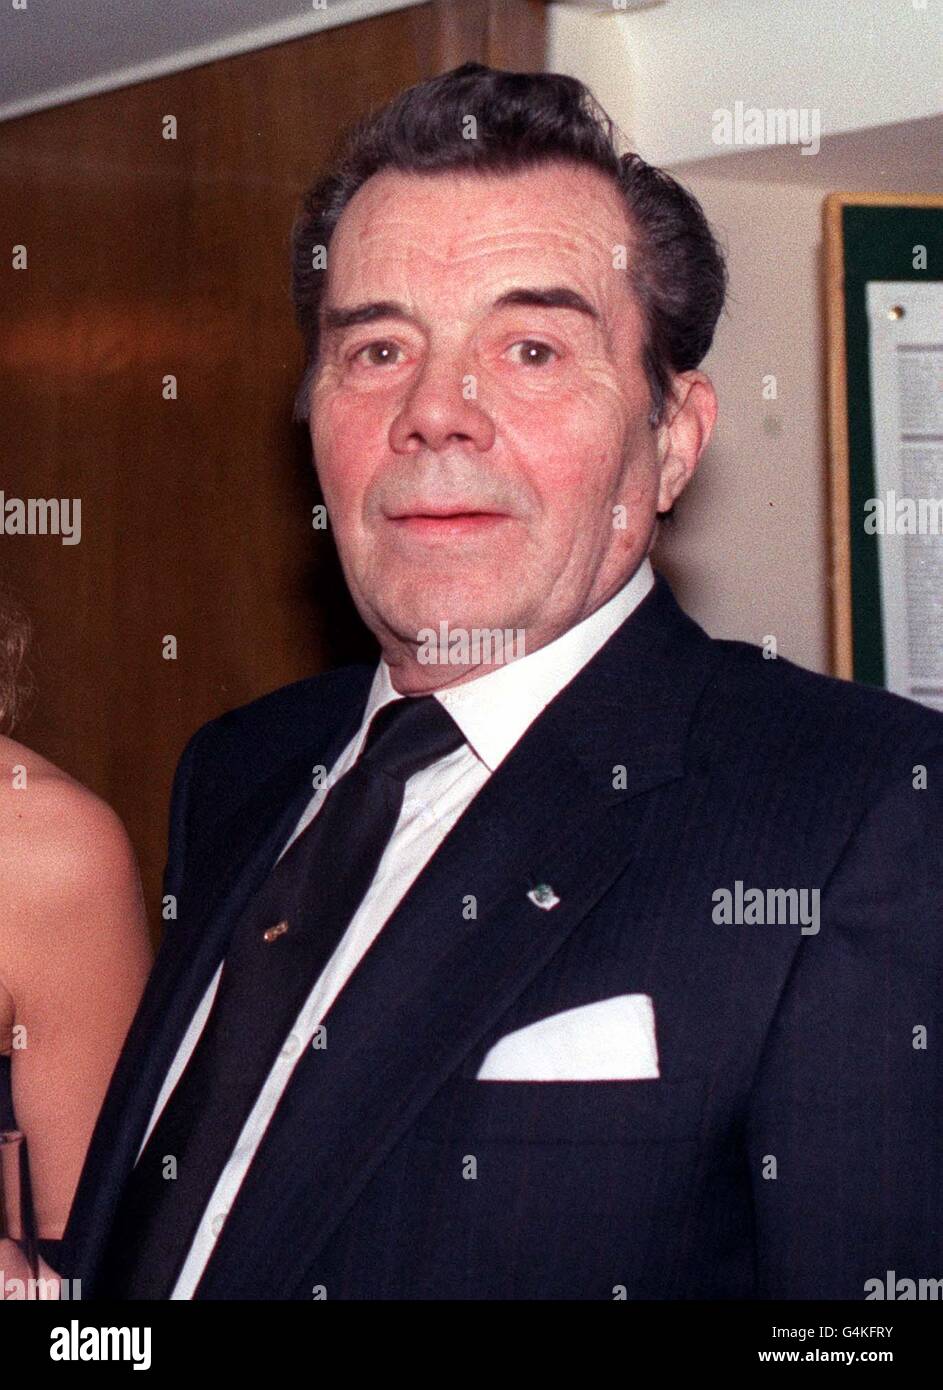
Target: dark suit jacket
[774,1044]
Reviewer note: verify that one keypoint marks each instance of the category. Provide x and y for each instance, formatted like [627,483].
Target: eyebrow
[335,319]
[553,297]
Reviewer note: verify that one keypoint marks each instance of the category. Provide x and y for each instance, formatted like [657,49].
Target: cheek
[571,447]
[343,439]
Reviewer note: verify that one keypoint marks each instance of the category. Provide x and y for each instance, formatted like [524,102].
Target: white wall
[661,72]
[748,554]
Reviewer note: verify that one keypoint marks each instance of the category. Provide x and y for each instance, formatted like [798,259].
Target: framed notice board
[884,307]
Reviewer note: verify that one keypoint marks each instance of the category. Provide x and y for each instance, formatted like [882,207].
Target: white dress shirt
[493,711]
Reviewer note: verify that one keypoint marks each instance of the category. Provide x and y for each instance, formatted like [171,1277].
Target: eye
[381,353]
[533,353]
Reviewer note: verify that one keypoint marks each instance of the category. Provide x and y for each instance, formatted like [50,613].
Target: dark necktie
[280,945]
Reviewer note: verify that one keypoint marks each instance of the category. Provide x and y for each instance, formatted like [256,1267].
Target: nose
[441,409]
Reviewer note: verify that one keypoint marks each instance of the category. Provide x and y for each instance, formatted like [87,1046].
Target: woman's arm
[74,954]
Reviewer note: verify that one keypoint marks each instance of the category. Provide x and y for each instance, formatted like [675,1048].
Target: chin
[426,606]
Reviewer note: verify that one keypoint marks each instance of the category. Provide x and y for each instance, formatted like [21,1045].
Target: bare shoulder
[51,825]
[64,856]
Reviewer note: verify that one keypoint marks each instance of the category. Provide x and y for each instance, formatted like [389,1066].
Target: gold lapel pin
[273,933]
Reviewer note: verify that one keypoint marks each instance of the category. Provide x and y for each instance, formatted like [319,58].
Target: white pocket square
[612,1040]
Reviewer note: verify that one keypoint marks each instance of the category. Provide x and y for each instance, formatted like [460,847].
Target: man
[605,970]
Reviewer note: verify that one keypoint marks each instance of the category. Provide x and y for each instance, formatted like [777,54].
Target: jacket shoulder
[290,713]
[227,757]
[807,715]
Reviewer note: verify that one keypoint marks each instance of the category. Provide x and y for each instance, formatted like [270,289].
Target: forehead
[469,228]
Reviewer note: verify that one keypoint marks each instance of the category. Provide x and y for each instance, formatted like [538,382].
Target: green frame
[868,236]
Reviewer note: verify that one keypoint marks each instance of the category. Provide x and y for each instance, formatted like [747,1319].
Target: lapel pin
[544,896]
[275,932]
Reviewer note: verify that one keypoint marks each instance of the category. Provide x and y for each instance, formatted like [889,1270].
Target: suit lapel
[433,983]
[232,863]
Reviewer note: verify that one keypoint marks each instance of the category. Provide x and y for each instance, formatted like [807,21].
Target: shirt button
[291,1046]
[216,1224]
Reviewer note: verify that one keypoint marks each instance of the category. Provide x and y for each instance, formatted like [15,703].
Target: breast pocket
[565,1112]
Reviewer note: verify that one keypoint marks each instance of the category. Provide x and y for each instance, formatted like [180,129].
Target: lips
[446,524]
[447,513]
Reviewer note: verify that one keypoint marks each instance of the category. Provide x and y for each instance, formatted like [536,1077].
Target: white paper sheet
[906,514]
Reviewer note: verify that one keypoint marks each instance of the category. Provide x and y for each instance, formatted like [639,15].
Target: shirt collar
[496,709]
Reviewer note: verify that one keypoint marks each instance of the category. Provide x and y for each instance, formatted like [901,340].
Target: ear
[683,436]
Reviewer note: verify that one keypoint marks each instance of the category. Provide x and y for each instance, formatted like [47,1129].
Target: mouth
[446,521]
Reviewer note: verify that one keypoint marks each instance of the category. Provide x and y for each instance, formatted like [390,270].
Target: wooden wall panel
[150,257]
[503,33]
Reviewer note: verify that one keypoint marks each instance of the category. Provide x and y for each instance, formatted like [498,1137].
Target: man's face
[480,407]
